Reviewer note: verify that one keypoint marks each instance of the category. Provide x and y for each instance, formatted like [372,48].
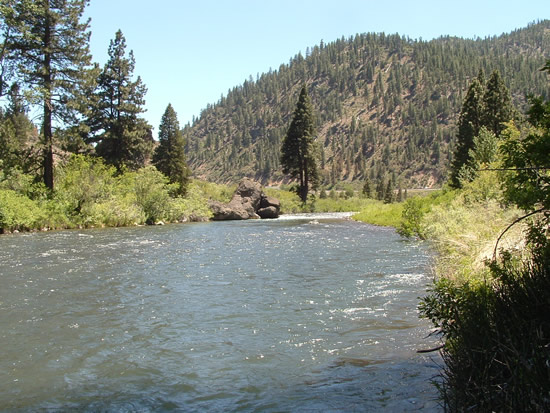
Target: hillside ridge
[384,105]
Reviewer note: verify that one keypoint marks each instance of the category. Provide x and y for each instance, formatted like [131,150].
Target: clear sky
[189,53]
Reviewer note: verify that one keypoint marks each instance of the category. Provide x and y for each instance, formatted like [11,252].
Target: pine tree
[389,196]
[380,190]
[298,155]
[367,188]
[17,134]
[497,105]
[50,45]
[169,156]
[400,193]
[122,137]
[469,124]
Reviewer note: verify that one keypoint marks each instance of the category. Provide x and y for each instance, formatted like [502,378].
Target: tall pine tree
[469,124]
[497,104]
[298,154]
[485,106]
[49,43]
[169,156]
[123,138]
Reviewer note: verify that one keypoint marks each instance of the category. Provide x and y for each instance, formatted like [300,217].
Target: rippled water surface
[310,313]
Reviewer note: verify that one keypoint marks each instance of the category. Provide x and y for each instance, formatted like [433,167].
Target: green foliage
[216,192]
[483,117]
[290,201]
[469,124]
[152,194]
[415,210]
[49,44]
[298,152]
[83,182]
[379,213]
[122,137]
[169,156]
[92,194]
[529,185]
[18,212]
[497,105]
[494,318]
[194,207]
[496,335]
[17,135]
[367,190]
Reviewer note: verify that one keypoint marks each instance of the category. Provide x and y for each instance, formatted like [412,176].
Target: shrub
[82,183]
[194,206]
[496,335]
[17,212]
[153,194]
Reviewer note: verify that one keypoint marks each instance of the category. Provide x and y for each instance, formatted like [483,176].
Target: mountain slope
[384,104]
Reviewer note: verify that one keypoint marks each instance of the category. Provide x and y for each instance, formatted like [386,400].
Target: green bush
[194,206]
[81,184]
[114,212]
[216,192]
[290,202]
[17,212]
[153,194]
[496,335]
[415,210]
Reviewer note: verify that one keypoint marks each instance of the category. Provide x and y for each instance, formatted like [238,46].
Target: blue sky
[189,53]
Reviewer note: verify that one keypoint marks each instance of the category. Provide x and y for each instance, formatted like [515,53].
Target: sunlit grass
[378,213]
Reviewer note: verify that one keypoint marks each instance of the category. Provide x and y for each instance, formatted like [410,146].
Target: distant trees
[372,92]
[122,137]
[485,106]
[298,154]
[49,51]
[169,156]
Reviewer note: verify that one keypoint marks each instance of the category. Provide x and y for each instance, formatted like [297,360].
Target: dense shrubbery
[494,317]
[497,334]
[90,194]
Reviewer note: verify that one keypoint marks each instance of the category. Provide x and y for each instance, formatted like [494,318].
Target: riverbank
[90,194]
[489,300]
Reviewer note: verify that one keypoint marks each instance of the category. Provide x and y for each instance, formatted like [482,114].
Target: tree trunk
[305,185]
[47,125]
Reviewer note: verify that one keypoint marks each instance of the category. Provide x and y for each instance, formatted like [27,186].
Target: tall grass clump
[378,213]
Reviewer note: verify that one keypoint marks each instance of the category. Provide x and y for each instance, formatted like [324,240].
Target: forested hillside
[385,105]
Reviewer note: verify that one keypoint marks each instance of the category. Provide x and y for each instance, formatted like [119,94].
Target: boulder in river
[248,202]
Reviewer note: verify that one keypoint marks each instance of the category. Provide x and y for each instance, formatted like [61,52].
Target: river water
[304,313]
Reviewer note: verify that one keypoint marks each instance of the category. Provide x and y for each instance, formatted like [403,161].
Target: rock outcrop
[248,202]
[269,207]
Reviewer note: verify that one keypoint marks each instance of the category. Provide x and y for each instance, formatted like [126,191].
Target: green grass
[378,213]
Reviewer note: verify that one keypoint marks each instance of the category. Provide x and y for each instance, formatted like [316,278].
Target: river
[303,313]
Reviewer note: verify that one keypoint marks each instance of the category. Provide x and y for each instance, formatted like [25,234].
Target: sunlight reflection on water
[277,315]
